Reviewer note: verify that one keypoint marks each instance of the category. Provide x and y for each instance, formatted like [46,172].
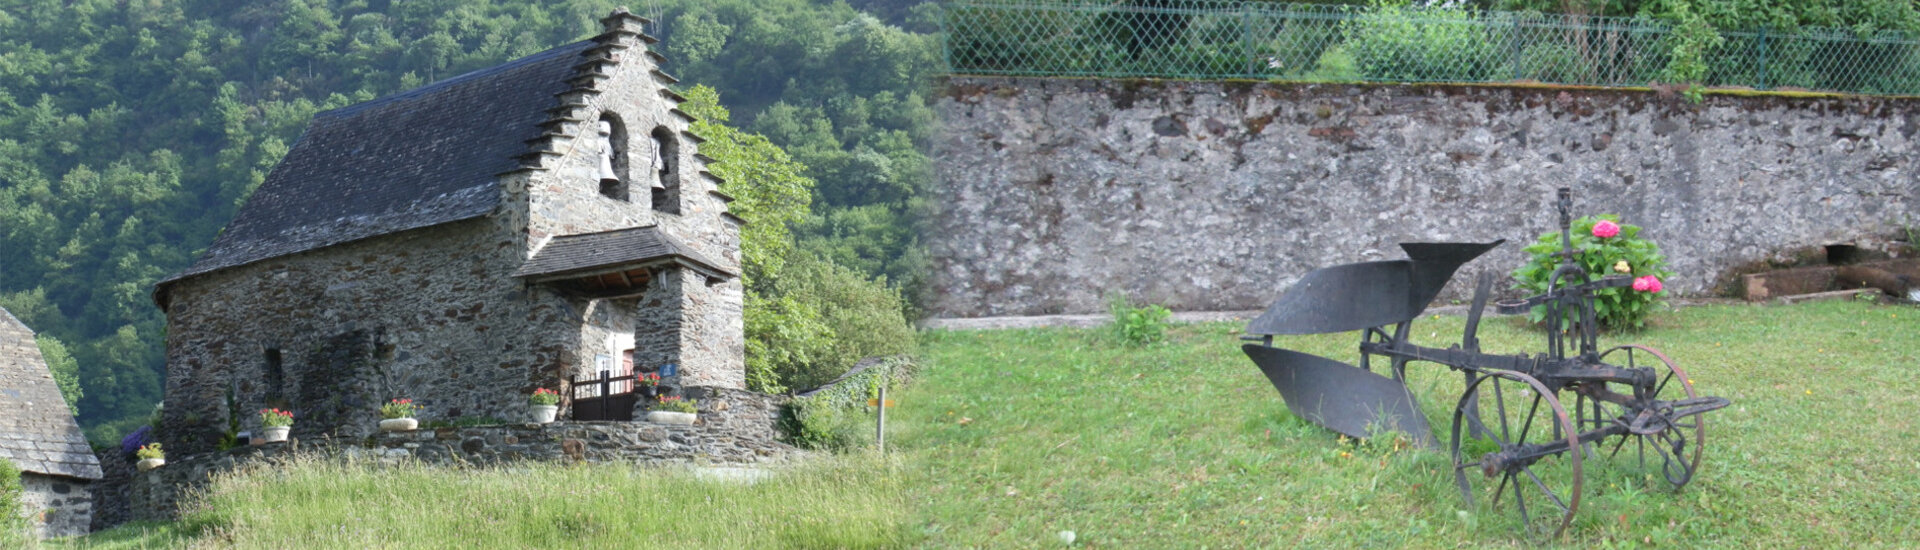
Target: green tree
[66,373]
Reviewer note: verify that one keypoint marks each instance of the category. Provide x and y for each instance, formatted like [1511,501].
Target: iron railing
[1226,39]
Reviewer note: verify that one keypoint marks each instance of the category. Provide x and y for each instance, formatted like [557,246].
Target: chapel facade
[462,244]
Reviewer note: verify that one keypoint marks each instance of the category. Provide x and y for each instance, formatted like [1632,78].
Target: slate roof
[37,432]
[416,159]
[589,252]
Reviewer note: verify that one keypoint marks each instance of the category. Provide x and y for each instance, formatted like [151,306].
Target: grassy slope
[1013,436]
[1186,444]
[849,502]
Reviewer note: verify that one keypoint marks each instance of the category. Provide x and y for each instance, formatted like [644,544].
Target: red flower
[1605,229]
[1648,283]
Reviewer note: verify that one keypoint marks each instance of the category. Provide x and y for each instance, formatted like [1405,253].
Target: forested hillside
[131,130]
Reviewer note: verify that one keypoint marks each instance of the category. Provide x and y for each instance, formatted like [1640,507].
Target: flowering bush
[1605,229]
[150,450]
[646,379]
[1607,247]
[134,441]
[675,404]
[544,396]
[399,408]
[274,418]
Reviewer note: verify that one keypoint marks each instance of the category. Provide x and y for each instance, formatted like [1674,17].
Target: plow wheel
[1677,448]
[1510,443]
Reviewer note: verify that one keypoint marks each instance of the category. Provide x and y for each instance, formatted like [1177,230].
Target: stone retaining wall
[734,427]
[1215,196]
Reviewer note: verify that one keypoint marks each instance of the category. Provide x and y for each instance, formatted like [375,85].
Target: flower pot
[150,463]
[276,434]
[649,391]
[670,417]
[399,424]
[543,414]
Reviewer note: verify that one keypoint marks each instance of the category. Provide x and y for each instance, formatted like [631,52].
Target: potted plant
[150,457]
[673,410]
[648,384]
[397,416]
[543,405]
[278,423]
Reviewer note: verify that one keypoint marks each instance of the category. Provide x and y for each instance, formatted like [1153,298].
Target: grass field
[1017,435]
[1010,437]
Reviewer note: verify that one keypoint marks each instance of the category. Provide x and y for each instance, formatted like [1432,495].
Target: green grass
[846,502]
[1017,435]
[1010,437]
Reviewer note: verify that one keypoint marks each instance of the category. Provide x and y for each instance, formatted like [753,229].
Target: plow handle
[1482,286]
[1566,223]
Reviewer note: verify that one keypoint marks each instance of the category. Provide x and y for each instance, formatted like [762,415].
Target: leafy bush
[1137,325]
[842,317]
[1600,257]
[13,528]
[1554,63]
[1335,65]
[134,441]
[1396,42]
[836,418]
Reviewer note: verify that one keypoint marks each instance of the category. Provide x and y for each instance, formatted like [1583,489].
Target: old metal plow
[1513,440]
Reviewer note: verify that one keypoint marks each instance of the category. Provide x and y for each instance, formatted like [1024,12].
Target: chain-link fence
[1213,39]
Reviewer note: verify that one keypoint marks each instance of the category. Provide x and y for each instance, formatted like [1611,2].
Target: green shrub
[1396,42]
[1137,325]
[1554,63]
[13,527]
[1599,256]
[842,317]
[1335,65]
[837,418]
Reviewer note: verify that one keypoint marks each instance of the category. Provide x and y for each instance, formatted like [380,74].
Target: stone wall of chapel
[433,315]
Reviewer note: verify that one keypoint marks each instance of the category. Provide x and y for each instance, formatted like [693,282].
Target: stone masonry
[463,244]
[1218,195]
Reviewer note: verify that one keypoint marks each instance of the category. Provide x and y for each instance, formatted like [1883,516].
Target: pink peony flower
[1605,229]
[1647,284]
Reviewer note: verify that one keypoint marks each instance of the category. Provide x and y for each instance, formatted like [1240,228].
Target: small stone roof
[419,158]
[37,431]
[605,250]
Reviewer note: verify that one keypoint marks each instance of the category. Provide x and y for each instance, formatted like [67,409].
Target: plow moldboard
[1341,397]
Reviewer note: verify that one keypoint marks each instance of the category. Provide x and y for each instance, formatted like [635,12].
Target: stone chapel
[462,244]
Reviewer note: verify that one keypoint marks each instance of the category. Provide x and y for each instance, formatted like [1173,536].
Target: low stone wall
[59,506]
[734,427]
[110,492]
[1218,196]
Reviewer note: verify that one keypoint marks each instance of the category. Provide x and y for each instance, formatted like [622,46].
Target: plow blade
[1370,294]
[1341,397]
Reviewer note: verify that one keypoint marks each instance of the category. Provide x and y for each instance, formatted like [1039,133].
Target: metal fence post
[606,394]
[1516,48]
[880,424]
[1762,83]
[1246,39]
